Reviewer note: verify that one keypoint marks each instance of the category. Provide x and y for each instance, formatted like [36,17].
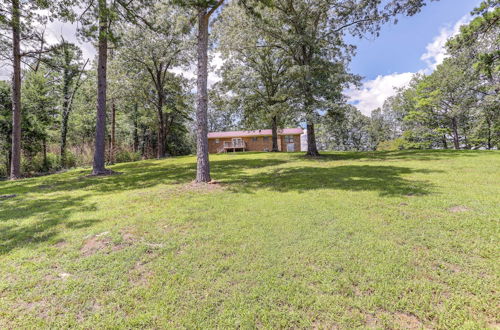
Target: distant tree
[476,50]
[255,72]
[224,112]
[67,63]
[344,128]
[150,55]
[443,101]
[39,113]
[313,35]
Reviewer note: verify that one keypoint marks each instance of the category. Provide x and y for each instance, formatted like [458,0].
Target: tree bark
[456,139]
[275,134]
[44,151]
[203,165]
[489,134]
[161,127]
[15,167]
[100,133]
[65,116]
[312,150]
[136,133]
[112,148]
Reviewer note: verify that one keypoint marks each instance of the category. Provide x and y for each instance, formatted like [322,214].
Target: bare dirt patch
[61,244]
[407,321]
[95,244]
[458,209]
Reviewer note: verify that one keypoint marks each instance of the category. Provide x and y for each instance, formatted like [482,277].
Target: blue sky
[413,45]
[399,47]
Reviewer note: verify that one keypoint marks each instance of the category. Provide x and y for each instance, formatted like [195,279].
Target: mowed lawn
[404,239]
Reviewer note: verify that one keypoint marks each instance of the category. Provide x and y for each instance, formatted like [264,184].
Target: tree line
[458,104]
[285,62]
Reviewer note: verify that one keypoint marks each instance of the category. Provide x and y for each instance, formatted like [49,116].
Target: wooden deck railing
[237,144]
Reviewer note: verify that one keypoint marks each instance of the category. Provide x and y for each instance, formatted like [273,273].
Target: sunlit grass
[394,239]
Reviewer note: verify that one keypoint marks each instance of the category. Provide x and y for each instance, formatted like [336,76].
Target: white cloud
[373,93]
[435,51]
[56,29]
[215,63]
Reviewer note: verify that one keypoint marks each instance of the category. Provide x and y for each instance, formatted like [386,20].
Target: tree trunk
[203,165]
[160,153]
[275,134]
[44,151]
[15,167]
[65,116]
[64,134]
[143,143]
[112,148]
[456,139]
[489,134]
[445,143]
[100,132]
[312,150]
[136,129]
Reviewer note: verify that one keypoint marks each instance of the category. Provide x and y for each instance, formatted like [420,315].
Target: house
[258,140]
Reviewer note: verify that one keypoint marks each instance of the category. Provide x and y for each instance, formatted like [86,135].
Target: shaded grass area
[387,239]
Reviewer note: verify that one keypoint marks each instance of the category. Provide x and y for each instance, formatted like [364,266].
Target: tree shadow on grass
[387,180]
[419,155]
[19,229]
[140,175]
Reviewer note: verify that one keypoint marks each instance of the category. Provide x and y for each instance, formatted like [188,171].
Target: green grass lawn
[386,239]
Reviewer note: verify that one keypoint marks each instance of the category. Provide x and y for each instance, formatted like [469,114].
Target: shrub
[124,156]
[70,160]
[37,164]
[392,145]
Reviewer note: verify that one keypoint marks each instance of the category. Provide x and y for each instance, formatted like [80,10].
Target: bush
[124,156]
[70,160]
[37,164]
[392,145]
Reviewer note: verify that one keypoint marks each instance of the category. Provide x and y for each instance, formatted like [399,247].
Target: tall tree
[204,10]
[17,17]
[104,30]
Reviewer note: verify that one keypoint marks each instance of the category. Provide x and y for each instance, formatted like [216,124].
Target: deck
[233,146]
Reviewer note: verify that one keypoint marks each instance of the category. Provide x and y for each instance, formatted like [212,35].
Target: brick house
[258,140]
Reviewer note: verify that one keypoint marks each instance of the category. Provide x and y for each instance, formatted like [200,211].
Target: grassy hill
[391,239]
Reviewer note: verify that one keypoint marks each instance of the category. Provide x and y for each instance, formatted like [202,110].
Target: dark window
[289,139]
[266,138]
[254,139]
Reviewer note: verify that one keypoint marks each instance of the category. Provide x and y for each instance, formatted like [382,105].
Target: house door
[237,143]
[290,147]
